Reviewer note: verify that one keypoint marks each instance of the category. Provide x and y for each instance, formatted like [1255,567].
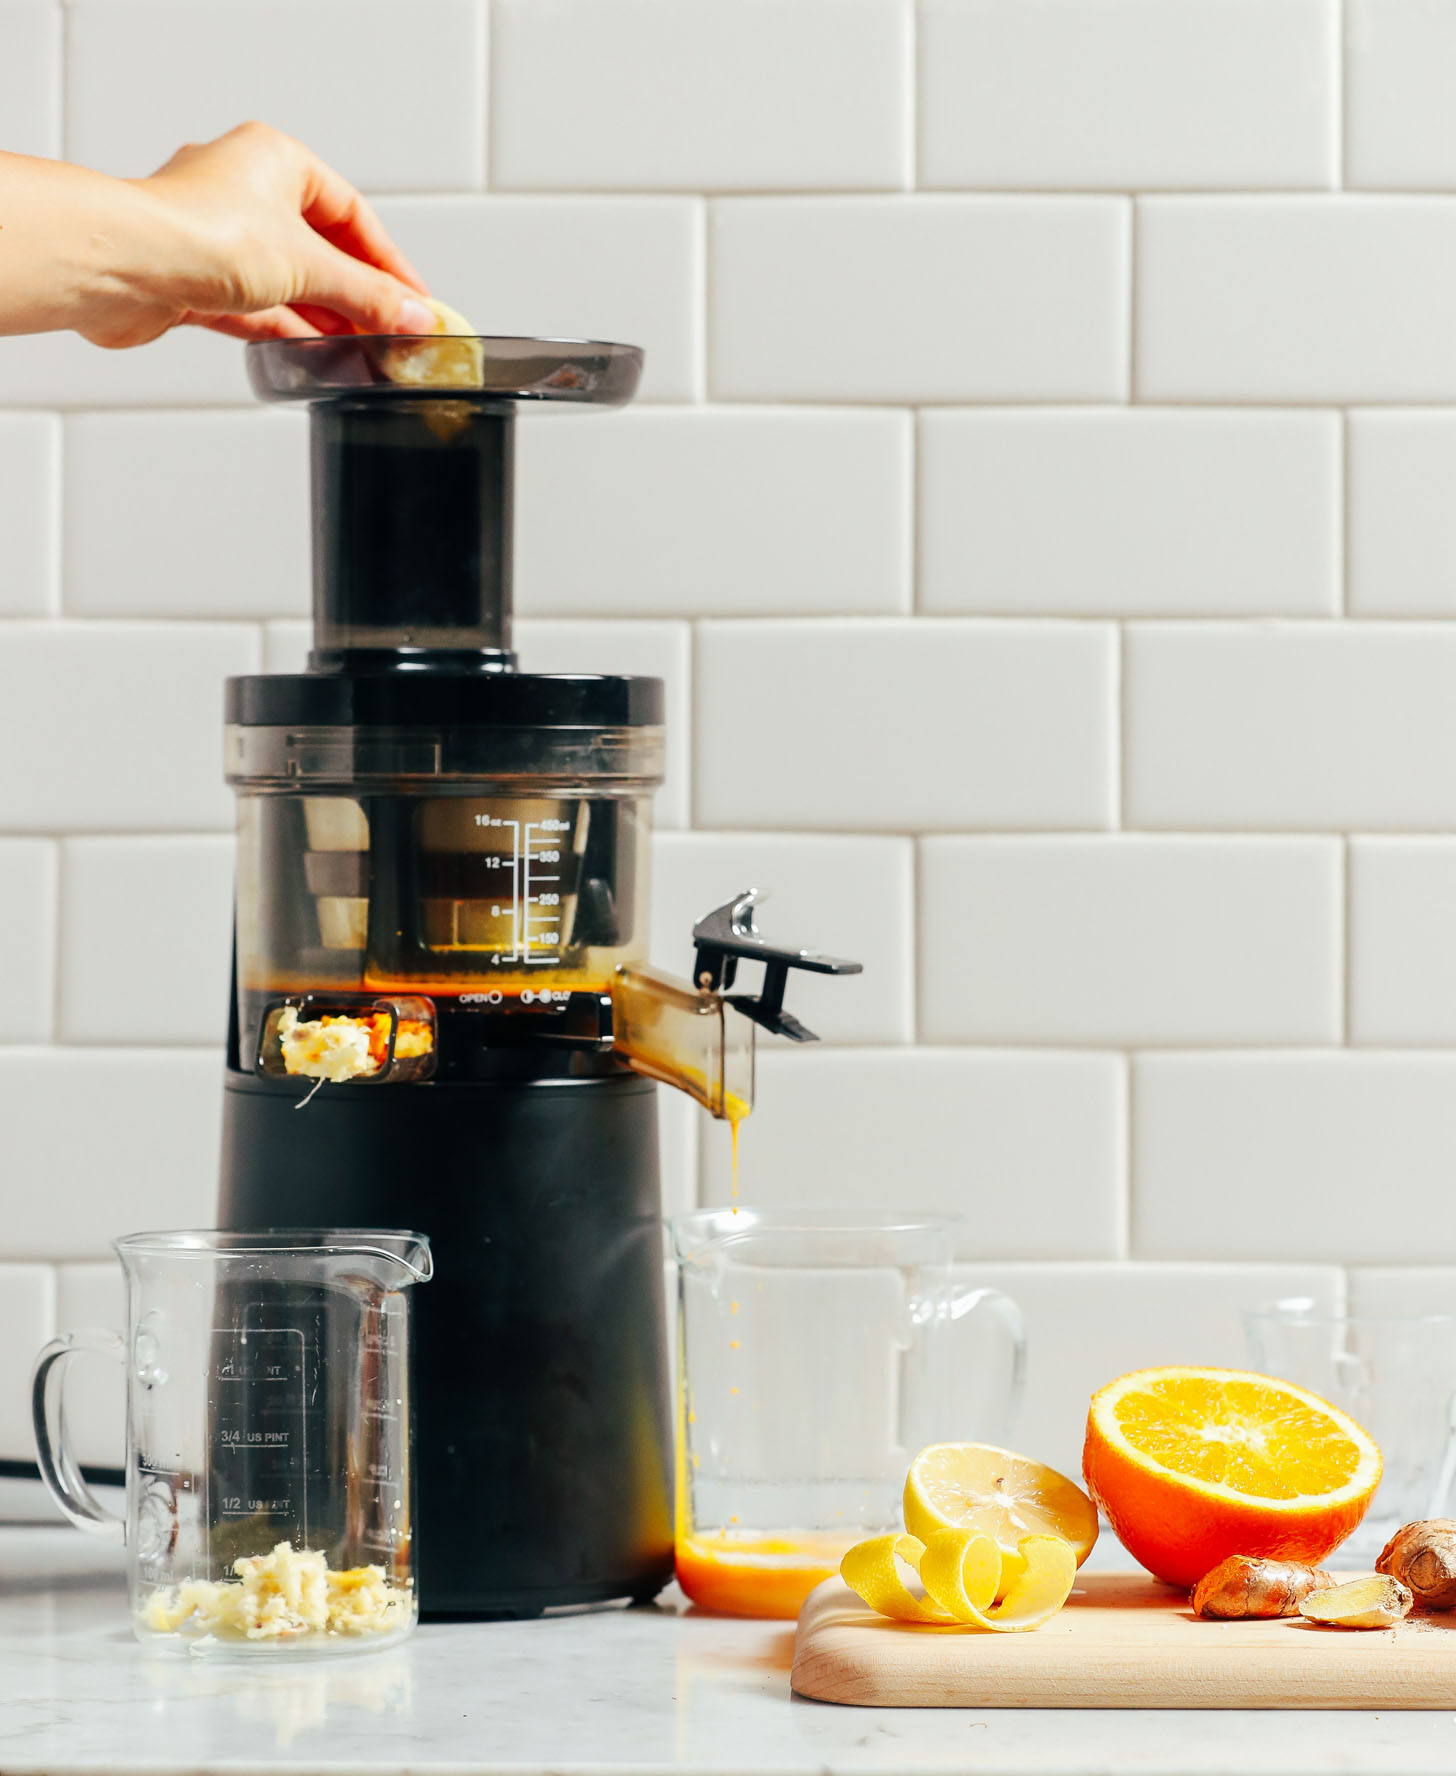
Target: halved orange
[1193,1465]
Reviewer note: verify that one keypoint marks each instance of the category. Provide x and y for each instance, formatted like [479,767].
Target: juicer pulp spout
[684,1036]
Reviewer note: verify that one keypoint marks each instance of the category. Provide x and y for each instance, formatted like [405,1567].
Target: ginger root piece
[1379,1602]
[1423,1556]
[1242,1587]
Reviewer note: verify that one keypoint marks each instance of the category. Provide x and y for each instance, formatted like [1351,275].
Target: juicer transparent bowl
[270,1426]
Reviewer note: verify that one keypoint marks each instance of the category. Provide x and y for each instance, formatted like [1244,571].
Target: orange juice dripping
[748,1573]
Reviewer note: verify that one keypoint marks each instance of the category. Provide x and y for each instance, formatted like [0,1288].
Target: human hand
[254,236]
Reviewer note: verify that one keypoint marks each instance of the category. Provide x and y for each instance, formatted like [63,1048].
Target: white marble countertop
[614,1690]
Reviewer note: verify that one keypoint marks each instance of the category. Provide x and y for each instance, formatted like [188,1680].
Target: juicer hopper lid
[591,372]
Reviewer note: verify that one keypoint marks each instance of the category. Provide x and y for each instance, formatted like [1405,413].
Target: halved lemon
[1193,1465]
[1005,1496]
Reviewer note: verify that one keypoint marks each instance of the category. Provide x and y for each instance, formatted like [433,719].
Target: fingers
[266,323]
[373,300]
[335,209]
[322,320]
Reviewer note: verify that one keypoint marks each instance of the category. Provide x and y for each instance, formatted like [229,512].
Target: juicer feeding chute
[443,881]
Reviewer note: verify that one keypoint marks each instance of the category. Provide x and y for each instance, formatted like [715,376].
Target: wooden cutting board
[1123,1641]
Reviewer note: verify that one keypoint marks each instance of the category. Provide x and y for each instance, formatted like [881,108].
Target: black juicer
[442,1019]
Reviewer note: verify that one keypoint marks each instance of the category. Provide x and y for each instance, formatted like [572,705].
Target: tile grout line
[1343,527]
[1128,1144]
[58,907]
[913,983]
[1119,786]
[914,495]
[912,94]
[703,257]
[690,727]
[56,521]
[1134,216]
[63,103]
[1340,119]
[1347,940]
[488,145]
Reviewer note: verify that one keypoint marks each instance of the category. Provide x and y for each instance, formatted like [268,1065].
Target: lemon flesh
[451,358]
[976,1486]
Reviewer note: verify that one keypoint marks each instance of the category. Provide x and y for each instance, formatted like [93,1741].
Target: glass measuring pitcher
[1395,1374]
[269,1433]
[813,1365]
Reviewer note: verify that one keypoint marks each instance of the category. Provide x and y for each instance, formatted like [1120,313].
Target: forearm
[77,249]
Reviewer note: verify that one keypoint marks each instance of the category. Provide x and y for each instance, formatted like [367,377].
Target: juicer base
[543,1433]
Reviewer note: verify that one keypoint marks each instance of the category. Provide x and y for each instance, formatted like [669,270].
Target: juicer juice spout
[700,1038]
[685,1036]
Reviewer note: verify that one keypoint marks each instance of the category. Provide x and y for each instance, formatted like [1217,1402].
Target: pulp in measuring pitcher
[279,1597]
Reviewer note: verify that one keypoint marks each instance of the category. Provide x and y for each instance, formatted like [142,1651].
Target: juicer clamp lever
[730,933]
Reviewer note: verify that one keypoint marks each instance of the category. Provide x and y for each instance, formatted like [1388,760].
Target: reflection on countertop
[656,1688]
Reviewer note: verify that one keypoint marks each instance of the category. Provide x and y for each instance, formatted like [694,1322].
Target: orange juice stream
[738,1572]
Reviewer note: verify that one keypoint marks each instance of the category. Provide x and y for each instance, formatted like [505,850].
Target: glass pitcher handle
[1006,1402]
[58,1466]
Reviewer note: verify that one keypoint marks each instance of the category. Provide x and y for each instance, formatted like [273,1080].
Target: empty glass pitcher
[814,1363]
[269,1435]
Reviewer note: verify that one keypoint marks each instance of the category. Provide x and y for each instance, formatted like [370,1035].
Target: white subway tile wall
[185,514]
[148,925]
[1129,939]
[716,511]
[28,920]
[1118,95]
[331,73]
[30,488]
[30,76]
[1130,511]
[1401,462]
[923,299]
[714,95]
[894,726]
[1039,508]
[1402,941]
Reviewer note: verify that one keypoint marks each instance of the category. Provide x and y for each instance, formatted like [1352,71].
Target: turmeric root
[1362,1603]
[1242,1587]
[1423,1556]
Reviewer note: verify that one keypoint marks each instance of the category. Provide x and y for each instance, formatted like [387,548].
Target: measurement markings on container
[541,846]
[535,851]
[258,1427]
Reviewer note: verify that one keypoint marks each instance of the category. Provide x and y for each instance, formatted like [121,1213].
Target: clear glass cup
[1396,1376]
[814,1363]
[270,1420]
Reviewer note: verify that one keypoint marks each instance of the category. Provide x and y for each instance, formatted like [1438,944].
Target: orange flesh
[1226,1432]
[743,1573]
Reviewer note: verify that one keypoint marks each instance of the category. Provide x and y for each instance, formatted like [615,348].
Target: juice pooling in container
[270,1421]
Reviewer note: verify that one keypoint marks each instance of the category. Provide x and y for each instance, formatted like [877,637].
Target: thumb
[371,299]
